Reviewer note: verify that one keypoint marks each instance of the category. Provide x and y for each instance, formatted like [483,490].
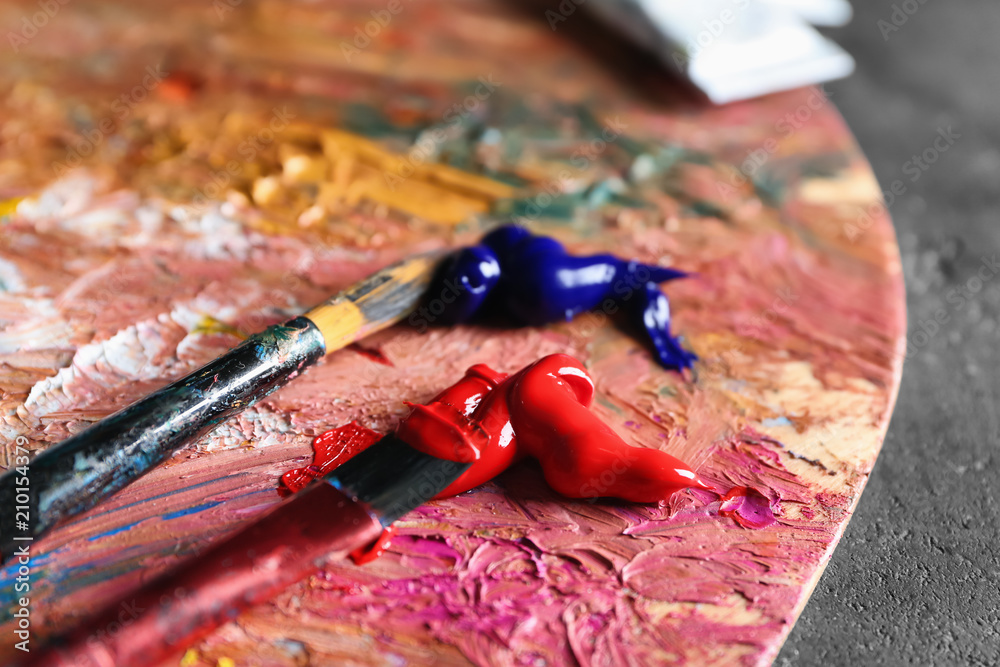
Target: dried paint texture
[110,291]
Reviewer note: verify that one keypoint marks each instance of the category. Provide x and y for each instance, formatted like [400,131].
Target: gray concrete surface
[916,579]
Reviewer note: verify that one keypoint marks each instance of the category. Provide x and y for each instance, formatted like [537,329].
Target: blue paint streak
[191,510]
[70,579]
[167,494]
[114,531]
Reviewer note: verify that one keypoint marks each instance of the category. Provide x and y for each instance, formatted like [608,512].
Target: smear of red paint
[373,353]
[330,449]
[748,507]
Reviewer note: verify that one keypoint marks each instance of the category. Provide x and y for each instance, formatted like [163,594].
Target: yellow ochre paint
[361,169]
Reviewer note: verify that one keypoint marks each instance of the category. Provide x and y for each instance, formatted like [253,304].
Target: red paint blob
[330,449]
[542,412]
[748,507]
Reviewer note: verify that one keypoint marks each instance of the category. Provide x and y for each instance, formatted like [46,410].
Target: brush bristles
[392,478]
[380,301]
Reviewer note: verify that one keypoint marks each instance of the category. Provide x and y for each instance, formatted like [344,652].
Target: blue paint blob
[532,280]
[473,273]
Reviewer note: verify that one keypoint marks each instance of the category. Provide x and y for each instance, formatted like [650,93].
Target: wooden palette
[268,159]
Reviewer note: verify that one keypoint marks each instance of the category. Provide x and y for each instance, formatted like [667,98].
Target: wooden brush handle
[168,615]
[79,472]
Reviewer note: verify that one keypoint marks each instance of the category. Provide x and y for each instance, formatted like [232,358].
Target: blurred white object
[818,12]
[736,49]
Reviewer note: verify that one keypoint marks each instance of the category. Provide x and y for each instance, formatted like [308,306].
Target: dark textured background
[916,579]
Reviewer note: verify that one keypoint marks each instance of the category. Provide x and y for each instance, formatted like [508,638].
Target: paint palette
[240,178]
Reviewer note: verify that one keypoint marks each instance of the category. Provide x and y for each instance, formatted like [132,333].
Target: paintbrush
[75,475]
[333,516]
